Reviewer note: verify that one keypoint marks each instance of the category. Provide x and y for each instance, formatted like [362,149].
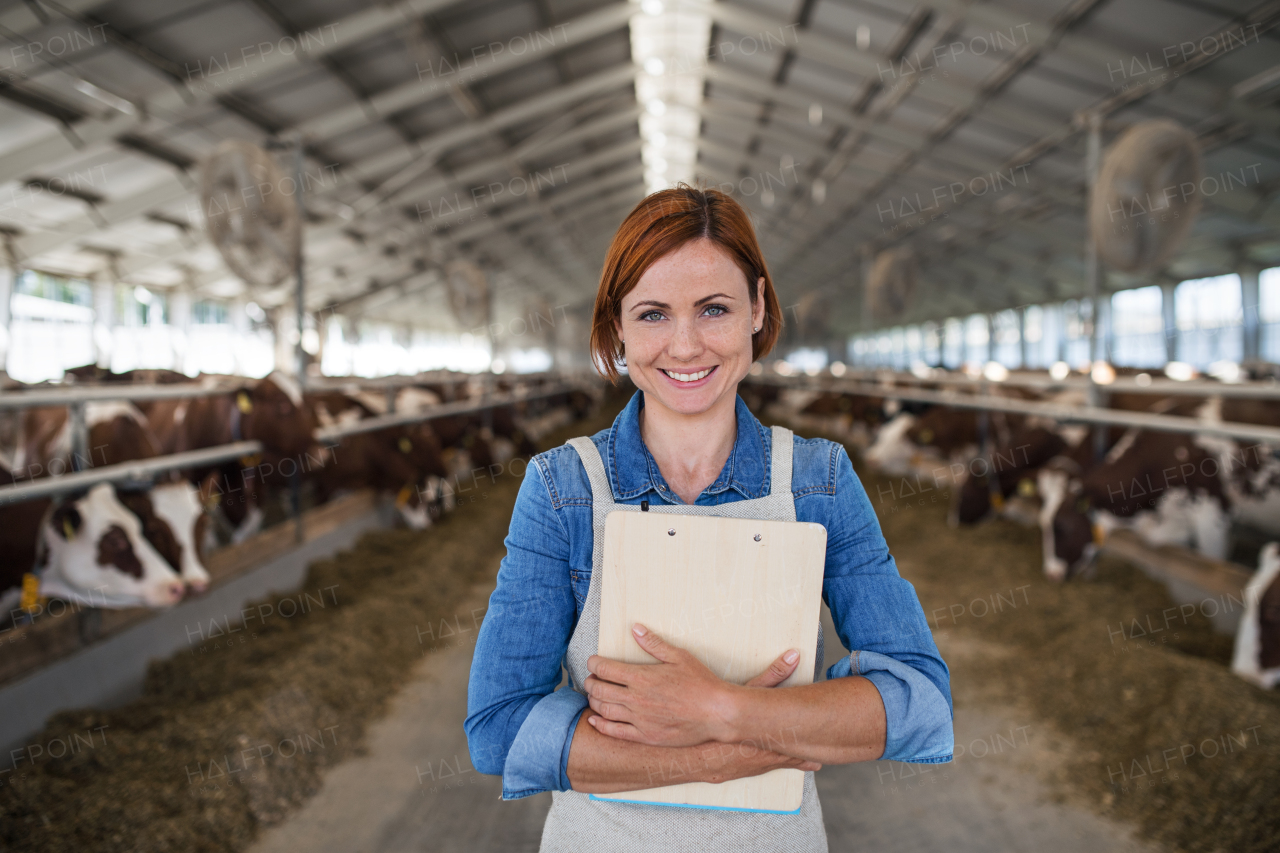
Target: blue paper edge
[690,806]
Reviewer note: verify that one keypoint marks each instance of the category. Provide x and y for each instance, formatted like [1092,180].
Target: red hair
[659,225]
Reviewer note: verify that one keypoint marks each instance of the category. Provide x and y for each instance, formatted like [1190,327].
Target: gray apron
[578,823]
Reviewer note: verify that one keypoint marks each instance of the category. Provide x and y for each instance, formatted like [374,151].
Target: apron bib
[578,823]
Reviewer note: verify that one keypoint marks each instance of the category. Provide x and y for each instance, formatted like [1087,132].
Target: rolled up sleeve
[878,616]
[518,725]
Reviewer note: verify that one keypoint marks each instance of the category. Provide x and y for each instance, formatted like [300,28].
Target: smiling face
[687,327]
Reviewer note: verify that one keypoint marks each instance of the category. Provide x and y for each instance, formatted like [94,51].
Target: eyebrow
[656,304]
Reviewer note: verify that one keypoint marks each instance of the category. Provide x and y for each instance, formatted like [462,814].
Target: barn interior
[310,282]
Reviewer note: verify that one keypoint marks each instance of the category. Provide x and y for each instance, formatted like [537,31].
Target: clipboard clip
[644,505]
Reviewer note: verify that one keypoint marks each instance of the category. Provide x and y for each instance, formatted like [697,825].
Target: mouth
[691,378]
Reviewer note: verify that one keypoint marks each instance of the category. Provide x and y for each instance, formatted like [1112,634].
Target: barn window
[1137,324]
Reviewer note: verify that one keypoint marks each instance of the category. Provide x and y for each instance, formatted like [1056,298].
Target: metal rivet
[757,537]
[671,532]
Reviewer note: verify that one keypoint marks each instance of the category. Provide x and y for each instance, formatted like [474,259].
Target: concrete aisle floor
[415,790]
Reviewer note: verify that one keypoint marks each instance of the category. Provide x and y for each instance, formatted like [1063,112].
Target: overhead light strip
[670,40]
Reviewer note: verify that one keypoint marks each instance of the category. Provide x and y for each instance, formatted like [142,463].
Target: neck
[690,450]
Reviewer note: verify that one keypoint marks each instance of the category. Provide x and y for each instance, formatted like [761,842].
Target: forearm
[599,764]
[840,721]
[603,765]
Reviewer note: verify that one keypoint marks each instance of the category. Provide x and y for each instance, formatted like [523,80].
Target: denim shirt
[520,726]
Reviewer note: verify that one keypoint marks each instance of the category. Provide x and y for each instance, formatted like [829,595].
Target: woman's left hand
[675,702]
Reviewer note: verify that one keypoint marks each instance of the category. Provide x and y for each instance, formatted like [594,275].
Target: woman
[686,299]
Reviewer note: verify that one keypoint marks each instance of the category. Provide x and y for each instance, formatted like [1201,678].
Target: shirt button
[662,488]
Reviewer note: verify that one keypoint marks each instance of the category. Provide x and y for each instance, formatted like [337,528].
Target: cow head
[1065,525]
[419,443]
[93,551]
[272,411]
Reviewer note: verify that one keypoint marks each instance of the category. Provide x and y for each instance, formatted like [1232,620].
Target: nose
[196,587]
[174,590]
[686,343]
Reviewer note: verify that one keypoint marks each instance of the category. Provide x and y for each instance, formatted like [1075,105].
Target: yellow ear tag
[402,497]
[68,529]
[405,445]
[243,403]
[997,501]
[30,592]
[1099,535]
[1027,487]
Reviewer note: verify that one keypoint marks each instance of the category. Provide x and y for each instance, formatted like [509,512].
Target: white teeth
[687,377]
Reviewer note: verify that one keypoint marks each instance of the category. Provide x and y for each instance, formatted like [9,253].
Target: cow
[923,443]
[119,433]
[852,417]
[1008,472]
[387,460]
[92,550]
[269,410]
[1257,649]
[1165,486]
[89,549]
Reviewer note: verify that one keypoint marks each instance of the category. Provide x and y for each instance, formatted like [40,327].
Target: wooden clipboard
[736,593]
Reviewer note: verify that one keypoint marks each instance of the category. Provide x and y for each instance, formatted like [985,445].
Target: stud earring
[756,329]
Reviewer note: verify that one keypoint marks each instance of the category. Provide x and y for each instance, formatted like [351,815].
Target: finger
[778,671]
[604,690]
[621,731]
[611,711]
[655,645]
[608,669]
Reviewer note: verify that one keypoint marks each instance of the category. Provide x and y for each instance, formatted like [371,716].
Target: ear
[757,309]
[66,521]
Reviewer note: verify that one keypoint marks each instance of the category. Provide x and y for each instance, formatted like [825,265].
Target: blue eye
[716,310]
[651,316]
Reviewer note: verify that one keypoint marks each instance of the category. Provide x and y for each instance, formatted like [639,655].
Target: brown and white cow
[1164,486]
[923,443]
[88,549]
[398,460]
[118,432]
[269,410]
[92,550]
[1257,651]
[1007,475]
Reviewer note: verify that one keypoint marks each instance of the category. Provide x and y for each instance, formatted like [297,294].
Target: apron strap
[780,463]
[590,456]
[601,494]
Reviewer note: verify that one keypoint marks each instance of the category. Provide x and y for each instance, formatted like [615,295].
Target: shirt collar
[633,471]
